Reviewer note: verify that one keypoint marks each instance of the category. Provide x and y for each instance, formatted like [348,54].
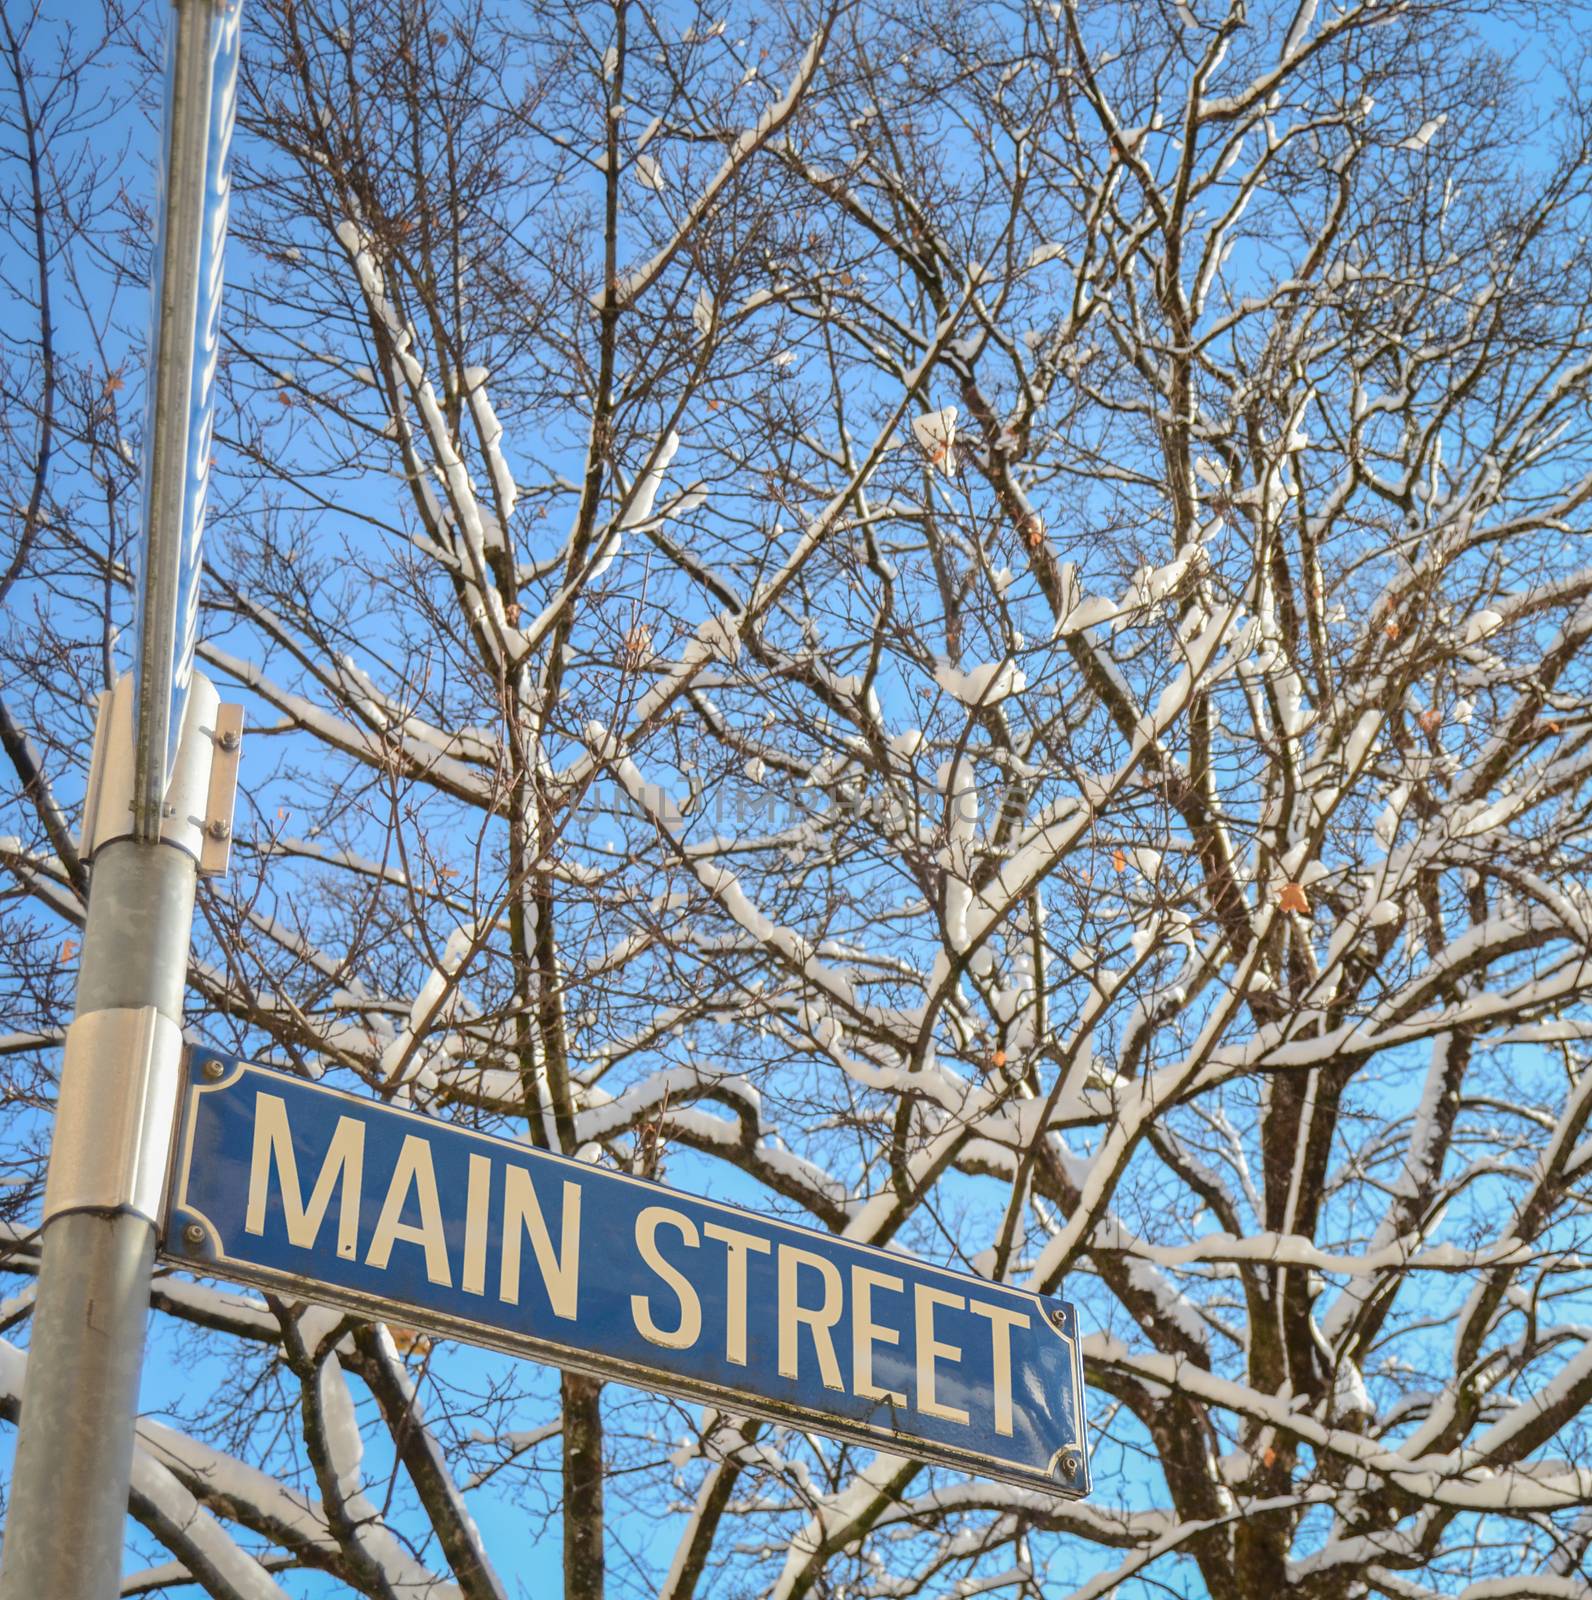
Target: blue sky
[179,1367]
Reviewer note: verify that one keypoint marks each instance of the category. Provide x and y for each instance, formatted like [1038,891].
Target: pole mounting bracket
[197,810]
[119,1083]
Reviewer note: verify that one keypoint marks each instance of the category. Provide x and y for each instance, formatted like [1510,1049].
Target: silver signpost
[157,813]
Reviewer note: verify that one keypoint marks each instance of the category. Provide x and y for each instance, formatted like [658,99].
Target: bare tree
[971,621]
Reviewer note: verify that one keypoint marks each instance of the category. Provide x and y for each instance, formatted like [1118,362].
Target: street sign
[327,1196]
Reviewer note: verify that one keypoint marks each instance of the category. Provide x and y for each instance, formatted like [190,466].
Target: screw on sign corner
[193,1235]
[1070,1467]
[213,1069]
[1058,1319]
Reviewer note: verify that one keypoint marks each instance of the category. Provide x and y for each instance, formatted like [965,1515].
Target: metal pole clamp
[119,1086]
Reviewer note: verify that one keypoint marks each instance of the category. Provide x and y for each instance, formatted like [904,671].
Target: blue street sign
[330,1197]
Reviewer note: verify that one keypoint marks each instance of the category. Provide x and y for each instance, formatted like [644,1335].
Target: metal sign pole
[158,812]
[64,1529]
